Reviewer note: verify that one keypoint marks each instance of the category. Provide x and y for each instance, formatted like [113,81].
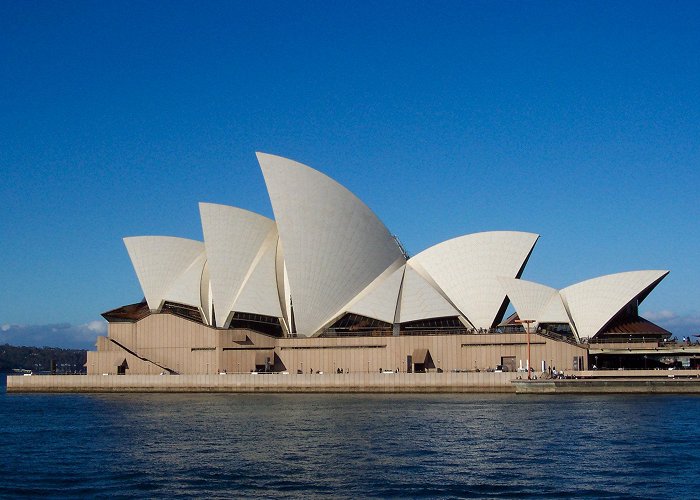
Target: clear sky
[579,121]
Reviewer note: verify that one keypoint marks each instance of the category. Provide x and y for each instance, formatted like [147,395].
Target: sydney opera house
[325,287]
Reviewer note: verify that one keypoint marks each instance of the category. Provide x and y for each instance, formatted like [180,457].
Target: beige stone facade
[165,343]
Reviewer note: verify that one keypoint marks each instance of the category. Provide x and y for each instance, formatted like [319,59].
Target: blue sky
[579,121]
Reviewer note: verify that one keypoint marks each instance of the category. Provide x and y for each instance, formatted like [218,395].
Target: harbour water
[343,446]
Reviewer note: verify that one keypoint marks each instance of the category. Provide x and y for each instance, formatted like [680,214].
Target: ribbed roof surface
[334,245]
[233,238]
[531,300]
[159,261]
[419,300]
[380,301]
[339,258]
[594,302]
[466,269]
[259,291]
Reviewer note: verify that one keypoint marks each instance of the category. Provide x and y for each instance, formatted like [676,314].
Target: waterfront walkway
[639,381]
[246,382]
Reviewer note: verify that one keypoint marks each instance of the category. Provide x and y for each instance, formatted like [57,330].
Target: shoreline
[483,382]
[675,385]
[641,382]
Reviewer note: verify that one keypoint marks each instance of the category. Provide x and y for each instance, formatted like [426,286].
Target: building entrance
[508,363]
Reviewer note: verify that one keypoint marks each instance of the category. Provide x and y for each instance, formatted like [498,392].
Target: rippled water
[266,445]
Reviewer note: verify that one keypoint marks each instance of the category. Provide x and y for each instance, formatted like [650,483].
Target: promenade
[360,382]
[640,381]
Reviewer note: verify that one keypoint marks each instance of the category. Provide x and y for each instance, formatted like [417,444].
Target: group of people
[311,371]
[554,373]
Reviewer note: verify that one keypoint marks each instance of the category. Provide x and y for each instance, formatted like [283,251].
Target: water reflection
[224,445]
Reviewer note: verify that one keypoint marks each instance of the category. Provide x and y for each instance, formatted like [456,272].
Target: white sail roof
[233,238]
[259,293]
[528,298]
[466,270]
[186,289]
[535,301]
[419,300]
[327,254]
[593,303]
[380,301]
[205,294]
[554,311]
[159,261]
[334,245]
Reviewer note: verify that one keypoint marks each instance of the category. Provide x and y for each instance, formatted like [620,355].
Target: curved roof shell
[593,303]
[258,293]
[420,300]
[205,294]
[466,270]
[334,245]
[159,261]
[186,289]
[535,301]
[379,299]
[328,254]
[234,239]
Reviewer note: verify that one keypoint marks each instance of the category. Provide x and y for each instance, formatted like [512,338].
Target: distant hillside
[38,359]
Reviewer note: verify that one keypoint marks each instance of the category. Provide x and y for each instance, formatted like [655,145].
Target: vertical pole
[527,326]
[526,323]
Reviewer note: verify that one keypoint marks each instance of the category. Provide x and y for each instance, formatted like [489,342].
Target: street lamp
[527,323]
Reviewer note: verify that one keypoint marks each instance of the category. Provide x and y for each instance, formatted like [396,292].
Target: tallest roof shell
[334,245]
